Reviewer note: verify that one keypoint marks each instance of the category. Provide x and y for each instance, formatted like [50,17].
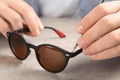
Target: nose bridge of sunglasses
[32,46]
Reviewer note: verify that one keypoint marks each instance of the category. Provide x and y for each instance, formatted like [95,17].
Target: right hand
[13,13]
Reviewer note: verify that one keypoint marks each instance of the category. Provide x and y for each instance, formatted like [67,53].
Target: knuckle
[16,19]
[108,22]
[27,10]
[102,9]
[16,22]
[115,38]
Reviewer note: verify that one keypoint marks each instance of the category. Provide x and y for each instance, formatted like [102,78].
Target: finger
[4,27]
[28,15]
[103,26]
[96,14]
[107,54]
[108,41]
[11,16]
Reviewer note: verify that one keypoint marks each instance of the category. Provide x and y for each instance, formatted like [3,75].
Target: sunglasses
[52,58]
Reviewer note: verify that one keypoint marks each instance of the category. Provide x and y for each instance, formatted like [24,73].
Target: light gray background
[79,68]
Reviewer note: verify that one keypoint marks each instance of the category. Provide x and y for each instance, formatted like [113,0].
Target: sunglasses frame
[66,54]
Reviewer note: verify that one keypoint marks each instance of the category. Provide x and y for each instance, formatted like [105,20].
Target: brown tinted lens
[52,59]
[18,46]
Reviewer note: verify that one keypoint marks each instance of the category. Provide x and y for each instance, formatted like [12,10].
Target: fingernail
[41,25]
[81,43]
[88,52]
[37,31]
[85,51]
[80,29]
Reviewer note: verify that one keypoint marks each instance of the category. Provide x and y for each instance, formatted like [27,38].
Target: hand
[13,13]
[100,31]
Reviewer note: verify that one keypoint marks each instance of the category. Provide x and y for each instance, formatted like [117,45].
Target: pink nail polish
[79,29]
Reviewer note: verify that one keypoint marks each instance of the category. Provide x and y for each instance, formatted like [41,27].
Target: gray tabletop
[78,68]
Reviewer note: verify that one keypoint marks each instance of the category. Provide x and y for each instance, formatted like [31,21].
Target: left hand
[100,31]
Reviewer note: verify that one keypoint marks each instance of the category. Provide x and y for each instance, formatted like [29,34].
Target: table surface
[79,68]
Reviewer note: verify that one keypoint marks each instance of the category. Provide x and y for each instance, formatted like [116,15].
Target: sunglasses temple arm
[59,33]
[76,53]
